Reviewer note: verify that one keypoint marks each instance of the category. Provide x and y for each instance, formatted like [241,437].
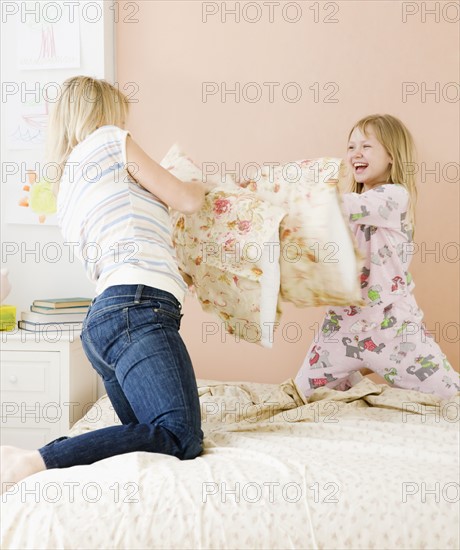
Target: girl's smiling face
[368,158]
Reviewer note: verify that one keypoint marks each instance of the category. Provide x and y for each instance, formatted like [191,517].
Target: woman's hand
[188,280]
[210,185]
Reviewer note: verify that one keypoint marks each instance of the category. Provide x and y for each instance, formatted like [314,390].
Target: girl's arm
[381,206]
[185,197]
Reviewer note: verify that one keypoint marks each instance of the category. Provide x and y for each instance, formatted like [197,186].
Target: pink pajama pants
[411,360]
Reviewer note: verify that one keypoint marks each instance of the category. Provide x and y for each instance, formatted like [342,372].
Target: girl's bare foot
[17,464]
[365,372]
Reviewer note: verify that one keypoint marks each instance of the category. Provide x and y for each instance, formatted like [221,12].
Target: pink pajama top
[378,220]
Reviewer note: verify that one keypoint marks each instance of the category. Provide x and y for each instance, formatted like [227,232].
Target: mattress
[371,467]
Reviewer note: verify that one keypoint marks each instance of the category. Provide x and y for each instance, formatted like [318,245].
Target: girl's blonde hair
[398,142]
[84,105]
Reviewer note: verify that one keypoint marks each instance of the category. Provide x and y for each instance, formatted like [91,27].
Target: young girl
[113,201]
[386,335]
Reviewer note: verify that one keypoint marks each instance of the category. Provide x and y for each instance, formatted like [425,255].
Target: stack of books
[55,314]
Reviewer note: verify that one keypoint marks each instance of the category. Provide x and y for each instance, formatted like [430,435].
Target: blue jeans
[131,337]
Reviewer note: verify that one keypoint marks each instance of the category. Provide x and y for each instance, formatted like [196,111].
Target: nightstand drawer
[29,381]
[29,434]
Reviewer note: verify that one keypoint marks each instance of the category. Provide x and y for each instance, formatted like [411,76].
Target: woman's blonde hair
[398,142]
[84,105]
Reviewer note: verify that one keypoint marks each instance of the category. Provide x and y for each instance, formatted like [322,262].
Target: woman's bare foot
[17,464]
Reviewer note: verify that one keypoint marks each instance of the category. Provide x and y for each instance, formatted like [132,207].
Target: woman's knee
[189,441]
[192,448]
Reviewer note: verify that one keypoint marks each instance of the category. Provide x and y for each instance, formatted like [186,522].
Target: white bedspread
[372,467]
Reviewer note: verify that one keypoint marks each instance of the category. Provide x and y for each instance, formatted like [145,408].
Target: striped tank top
[119,230]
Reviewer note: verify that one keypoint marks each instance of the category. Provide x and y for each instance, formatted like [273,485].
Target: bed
[371,467]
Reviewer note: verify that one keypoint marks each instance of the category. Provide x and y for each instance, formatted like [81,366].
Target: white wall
[32,274]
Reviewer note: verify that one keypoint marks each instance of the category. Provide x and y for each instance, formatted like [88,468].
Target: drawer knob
[13,379]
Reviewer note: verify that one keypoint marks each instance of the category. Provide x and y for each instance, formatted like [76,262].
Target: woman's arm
[185,197]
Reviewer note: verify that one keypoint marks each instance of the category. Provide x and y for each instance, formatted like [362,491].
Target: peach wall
[368,54]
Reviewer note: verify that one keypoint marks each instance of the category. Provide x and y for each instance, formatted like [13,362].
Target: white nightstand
[47,384]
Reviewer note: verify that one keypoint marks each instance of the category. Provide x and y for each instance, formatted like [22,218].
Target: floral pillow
[230,249]
[320,263]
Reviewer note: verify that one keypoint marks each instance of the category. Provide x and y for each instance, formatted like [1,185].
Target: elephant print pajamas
[387,334]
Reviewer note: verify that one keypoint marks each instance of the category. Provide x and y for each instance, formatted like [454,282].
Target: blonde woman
[113,201]
[387,335]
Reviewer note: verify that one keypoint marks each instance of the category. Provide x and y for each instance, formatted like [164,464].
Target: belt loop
[138,296]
